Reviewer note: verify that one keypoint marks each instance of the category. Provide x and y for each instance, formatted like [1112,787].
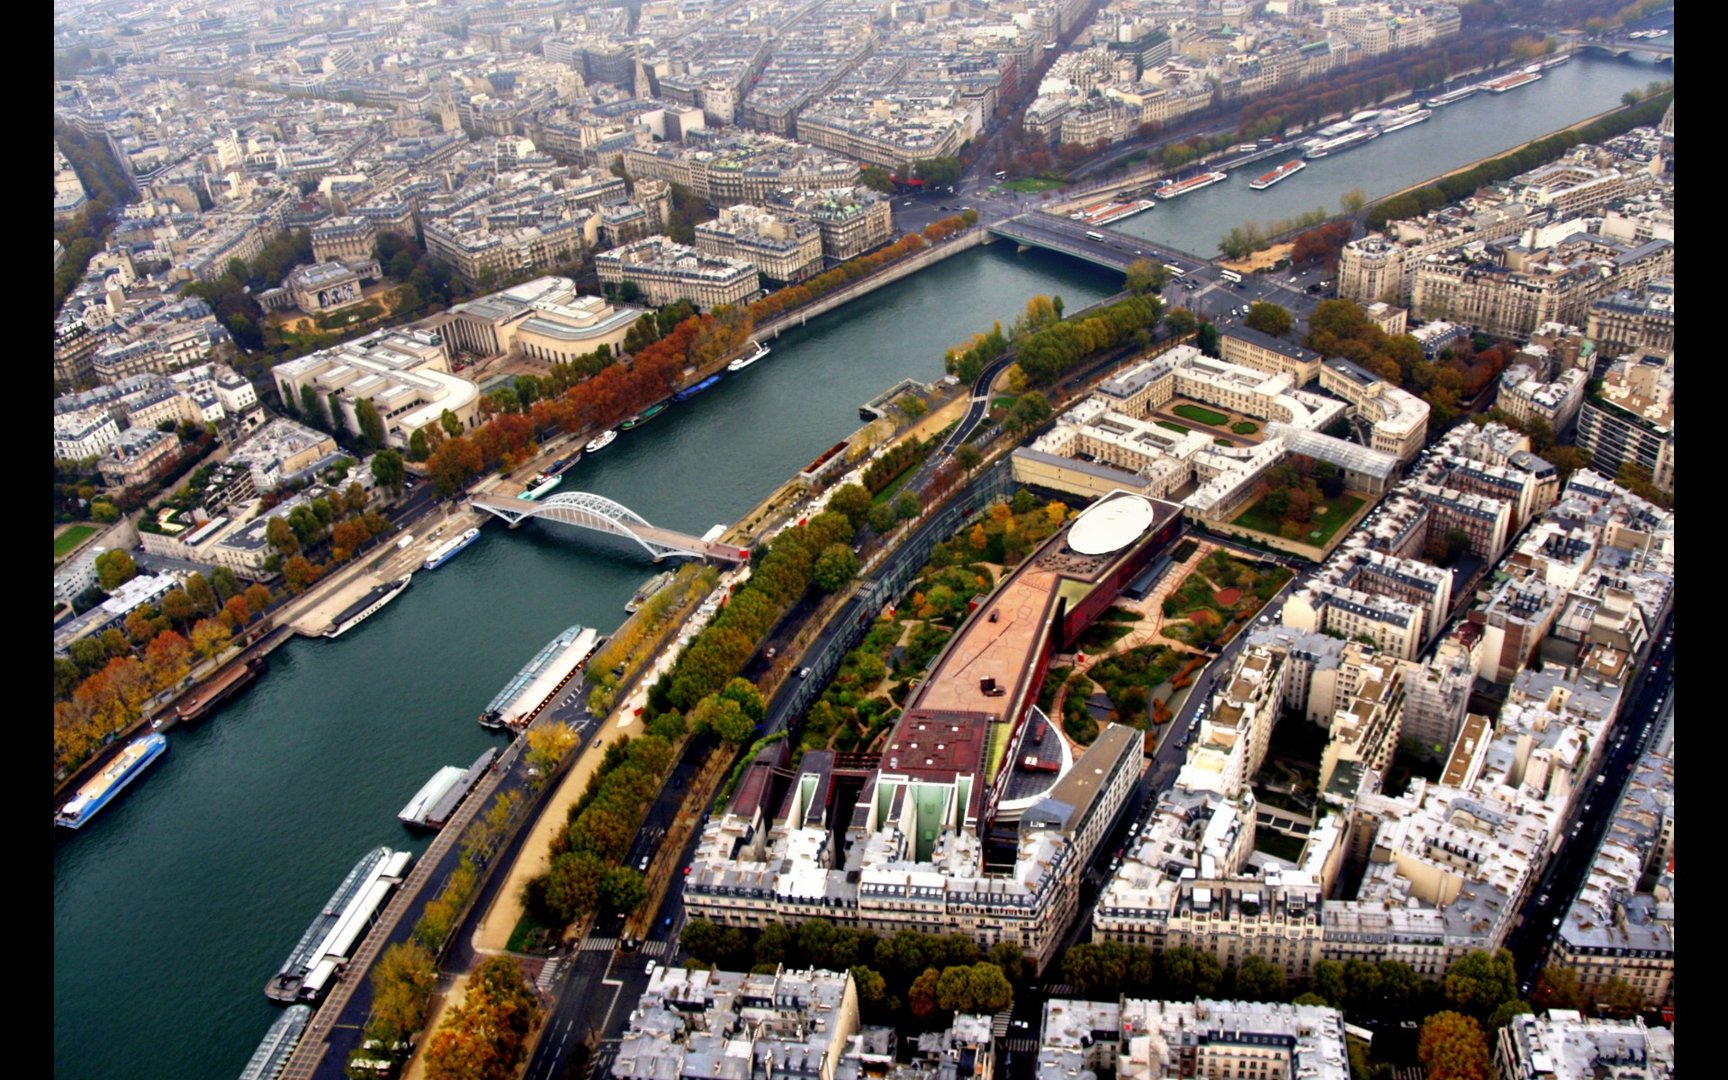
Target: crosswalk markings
[601,944]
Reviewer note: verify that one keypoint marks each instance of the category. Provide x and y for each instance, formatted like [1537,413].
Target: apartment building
[1397,419]
[851,221]
[782,247]
[84,433]
[1564,1045]
[279,451]
[1621,923]
[341,239]
[1631,420]
[721,1023]
[1139,1039]
[138,456]
[1627,322]
[666,271]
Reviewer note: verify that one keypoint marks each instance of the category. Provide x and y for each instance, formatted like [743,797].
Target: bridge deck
[514,511]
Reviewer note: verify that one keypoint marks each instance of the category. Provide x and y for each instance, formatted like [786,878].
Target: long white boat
[554,665]
[362,609]
[340,924]
[111,781]
[600,442]
[1343,142]
[745,361]
[1284,171]
[448,549]
[1404,118]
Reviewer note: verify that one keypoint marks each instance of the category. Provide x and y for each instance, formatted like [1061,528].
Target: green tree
[371,424]
[725,718]
[202,594]
[114,569]
[451,425]
[1259,980]
[1207,340]
[312,408]
[968,456]
[1268,319]
[1352,201]
[227,586]
[1145,276]
[1480,982]
[418,447]
[1558,988]
[1452,1047]
[623,889]
[854,501]
[388,471]
[1507,1010]
[1180,321]
[907,506]
[836,566]
[1028,412]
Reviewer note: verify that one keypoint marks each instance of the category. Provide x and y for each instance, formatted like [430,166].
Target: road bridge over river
[1116,251]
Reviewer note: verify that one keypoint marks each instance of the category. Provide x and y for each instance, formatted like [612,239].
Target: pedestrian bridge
[600,514]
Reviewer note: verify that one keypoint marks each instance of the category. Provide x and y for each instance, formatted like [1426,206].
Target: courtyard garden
[1200,414]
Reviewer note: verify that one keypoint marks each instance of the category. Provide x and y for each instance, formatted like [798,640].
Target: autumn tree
[210,637]
[257,598]
[298,574]
[1453,1047]
[547,746]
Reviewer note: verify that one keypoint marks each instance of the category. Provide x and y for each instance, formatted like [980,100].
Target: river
[174,906]
[1480,126]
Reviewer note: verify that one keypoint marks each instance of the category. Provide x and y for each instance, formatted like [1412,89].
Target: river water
[1482,125]
[174,906]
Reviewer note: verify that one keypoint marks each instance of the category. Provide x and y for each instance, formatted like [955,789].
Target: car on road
[804,673]
[643,865]
[1542,901]
[649,970]
[1021,1024]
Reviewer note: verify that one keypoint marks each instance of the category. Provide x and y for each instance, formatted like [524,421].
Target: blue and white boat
[101,789]
[448,549]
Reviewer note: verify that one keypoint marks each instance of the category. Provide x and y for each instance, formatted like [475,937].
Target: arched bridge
[601,514]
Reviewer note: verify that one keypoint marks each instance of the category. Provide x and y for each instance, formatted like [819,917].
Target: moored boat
[1193,183]
[643,417]
[1288,169]
[362,609]
[600,442]
[101,789]
[745,361]
[448,549]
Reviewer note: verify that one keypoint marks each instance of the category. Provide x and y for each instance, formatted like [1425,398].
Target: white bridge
[600,514]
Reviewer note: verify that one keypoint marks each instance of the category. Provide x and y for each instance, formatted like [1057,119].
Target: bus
[1231,276]
[1174,269]
[1003,175]
[1095,236]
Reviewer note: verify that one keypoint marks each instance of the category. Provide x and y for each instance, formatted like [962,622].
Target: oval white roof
[1110,526]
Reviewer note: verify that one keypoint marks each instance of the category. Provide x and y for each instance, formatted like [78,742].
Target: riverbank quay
[1145,175]
[942,249]
[1432,180]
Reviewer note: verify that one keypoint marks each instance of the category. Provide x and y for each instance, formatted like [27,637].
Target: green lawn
[1005,401]
[1324,524]
[1174,426]
[1031,185]
[1223,442]
[1244,427]
[71,538]
[1201,415]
